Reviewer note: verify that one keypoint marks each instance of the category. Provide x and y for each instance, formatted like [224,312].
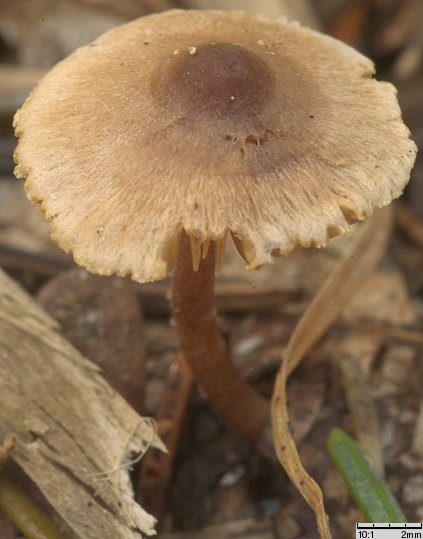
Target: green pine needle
[368,489]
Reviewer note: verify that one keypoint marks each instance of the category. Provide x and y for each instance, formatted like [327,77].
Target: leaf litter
[340,286]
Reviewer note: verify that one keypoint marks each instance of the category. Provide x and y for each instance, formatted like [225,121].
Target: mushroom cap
[208,122]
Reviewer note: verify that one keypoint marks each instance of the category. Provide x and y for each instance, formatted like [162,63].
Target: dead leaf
[337,290]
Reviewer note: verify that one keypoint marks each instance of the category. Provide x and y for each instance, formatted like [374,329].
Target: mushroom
[146,148]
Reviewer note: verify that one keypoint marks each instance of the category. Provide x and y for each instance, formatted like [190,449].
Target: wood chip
[75,437]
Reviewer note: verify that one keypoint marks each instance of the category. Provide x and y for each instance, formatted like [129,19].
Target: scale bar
[394,526]
[385,530]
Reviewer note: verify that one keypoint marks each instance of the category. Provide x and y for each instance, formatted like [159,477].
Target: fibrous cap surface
[209,122]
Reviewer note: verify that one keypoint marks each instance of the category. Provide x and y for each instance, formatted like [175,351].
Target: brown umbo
[155,141]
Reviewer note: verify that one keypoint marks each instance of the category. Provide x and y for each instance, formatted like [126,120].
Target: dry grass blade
[338,288]
[287,454]
[347,276]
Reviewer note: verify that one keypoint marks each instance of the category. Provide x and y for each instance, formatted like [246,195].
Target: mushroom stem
[205,349]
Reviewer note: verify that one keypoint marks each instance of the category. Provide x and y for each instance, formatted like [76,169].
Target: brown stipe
[206,350]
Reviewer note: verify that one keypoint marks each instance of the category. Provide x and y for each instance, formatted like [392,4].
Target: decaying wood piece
[75,437]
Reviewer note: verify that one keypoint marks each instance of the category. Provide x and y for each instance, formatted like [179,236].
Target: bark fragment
[75,437]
